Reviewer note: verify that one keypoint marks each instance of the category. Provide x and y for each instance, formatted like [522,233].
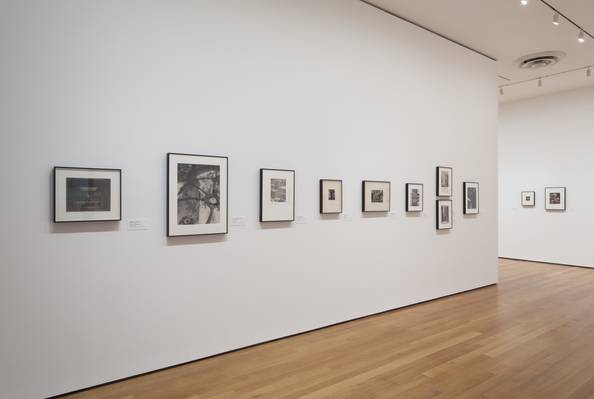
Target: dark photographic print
[471,198]
[555,198]
[197,194]
[377,196]
[87,194]
[528,198]
[443,214]
[444,181]
[414,197]
[278,190]
[330,196]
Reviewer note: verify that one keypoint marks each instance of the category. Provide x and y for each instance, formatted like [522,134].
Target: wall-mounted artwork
[528,198]
[414,197]
[330,196]
[277,195]
[197,198]
[555,198]
[87,194]
[444,180]
[376,196]
[444,215]
[471,198]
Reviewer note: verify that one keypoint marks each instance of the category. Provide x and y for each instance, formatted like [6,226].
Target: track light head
[589,72]
[539,82]
[501,90]
[581,37]
[556,19]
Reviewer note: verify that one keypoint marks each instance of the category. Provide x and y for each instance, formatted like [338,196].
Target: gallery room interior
[297,199]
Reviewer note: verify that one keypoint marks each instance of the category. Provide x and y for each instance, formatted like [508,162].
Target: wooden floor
[531,336]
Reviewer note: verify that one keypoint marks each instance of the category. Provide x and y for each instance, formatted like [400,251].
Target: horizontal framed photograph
[444,181]
[197,200]
[471,198]
[528,198]
[330,196]
[376,196]
[414,197]
[277,195]
[444,220]
[555,198]
[87,194]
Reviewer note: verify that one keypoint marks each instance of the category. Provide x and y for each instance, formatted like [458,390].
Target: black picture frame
[523,194]
[262,171]
[406,192]
[79,168]
[437,213]
[169,190]
[465,210]
[437,185]
[322,211]
[364,192]
[564,190]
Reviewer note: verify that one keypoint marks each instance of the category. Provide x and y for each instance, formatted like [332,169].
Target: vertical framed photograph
[444,215]
[277,195]
[87,194]
[376,196]
[197,194]
[555,198]
[528,198]
[414,197]
[444,181]
[330,196]
[471,198]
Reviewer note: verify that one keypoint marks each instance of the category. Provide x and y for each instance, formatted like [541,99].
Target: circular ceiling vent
[540,60]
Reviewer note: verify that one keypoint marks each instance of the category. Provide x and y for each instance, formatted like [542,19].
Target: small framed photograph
[528,198]
[444,215]
[87,194]
[414,197]
[277,195]
[471,198]
[197,199]
[555,198]
[376,196]
[330,196]
[444,180]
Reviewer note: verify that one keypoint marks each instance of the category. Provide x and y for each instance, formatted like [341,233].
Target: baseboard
[546,263]
[266,342]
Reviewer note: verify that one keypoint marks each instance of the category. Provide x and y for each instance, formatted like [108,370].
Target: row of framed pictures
[197,195]
[555,199]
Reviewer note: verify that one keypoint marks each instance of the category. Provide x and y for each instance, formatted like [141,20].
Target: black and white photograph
[277,195]
[87,194]
[376,196]
[414,197]
[444,181]
[444,214]
[197,194]
[330,196]
[528,198]
[555,198]
[471,198]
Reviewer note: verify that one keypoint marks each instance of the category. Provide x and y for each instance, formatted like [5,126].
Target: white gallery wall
[332,89]
[547,142]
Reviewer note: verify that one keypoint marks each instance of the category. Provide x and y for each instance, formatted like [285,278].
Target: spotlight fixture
[556,20]
[524,2]
[581,37]
[501,90]
[539,82]
[589,72]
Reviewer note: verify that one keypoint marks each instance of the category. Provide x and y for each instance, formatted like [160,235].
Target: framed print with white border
[414,197]
[528,198]
[471,198]
[197,194]
[330,196]
[87,194]
[555,198]
[444,215]
[277,195]
[444,180]
[376,196]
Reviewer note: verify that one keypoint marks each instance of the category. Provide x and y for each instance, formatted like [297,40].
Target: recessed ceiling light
[524,2]
[581,37]
[556,19]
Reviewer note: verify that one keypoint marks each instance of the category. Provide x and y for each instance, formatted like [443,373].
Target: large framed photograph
[528,198]
[471,198]
[555,198]
[376,196]
[444,181]
[197,194]
[330,196]
[414,197]
[87,194]
[444,215]
[277,195]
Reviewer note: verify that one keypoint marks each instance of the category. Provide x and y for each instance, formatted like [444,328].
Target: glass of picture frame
[330,196]
[444,214]
[471,198]
[444,181]
[528,198]
[414,197]
[87,194]
[555,198]
[277,195]
[376,196]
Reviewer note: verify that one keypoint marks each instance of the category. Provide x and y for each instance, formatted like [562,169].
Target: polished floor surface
[531,336]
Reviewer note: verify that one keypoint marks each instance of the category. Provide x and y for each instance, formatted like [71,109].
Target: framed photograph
[528,198]
[414,197]
[471,198]
[197,200]
[330,196]
[87,194]
[277,195]
[444,215]
[555,198]
[444,181]
[376,196]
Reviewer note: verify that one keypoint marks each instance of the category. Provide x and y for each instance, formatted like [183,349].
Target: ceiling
[506,30]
